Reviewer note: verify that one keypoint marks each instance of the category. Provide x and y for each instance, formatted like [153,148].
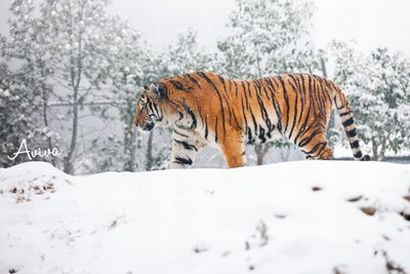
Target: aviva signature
[38,152]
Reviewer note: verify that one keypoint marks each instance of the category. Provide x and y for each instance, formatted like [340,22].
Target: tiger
[204,108]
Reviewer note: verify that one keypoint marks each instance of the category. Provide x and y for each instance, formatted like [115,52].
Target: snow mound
[295,217]
[30,180]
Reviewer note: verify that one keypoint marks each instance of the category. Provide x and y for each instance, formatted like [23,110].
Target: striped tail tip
[365,158]
[359,156]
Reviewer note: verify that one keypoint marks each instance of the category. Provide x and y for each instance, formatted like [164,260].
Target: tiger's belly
[261,135]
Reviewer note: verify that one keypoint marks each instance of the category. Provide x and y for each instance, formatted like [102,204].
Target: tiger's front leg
[185,147]
[233,149]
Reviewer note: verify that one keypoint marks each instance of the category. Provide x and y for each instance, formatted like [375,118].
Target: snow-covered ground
[295,217]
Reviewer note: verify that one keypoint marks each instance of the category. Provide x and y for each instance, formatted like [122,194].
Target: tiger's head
[154,108]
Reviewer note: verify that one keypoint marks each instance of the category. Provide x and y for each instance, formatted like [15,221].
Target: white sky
[371,23]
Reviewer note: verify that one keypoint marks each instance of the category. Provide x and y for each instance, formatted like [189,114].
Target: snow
[292,217]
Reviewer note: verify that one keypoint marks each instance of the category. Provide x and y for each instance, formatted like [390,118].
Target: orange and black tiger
[205,108]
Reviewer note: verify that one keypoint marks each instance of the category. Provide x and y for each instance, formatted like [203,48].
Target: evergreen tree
[26,45]
[69,46]
[19,113]
[378,86]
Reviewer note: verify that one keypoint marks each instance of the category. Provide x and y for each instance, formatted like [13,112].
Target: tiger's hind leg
[317,148]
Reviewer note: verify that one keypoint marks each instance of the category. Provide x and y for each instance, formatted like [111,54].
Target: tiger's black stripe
[246,96]
[236,88]
[216,130]
[348,122]
[244,114]
[354,144]
[358,155]
[206,127]
[264,112]
[316,147]
[255,125]
[249,89]
[286,98]
[203,75]
[190,77]
[344,113]
[304,126]
[309,138]
[222,80]
[179,86]
[295,110]
[302,93]
[351,133]
[278,111]
[186,145]
[181,134]
[183,161]
[192,115]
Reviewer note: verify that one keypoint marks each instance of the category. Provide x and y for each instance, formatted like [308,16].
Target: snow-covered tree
[186,56]
[127,76]
[83,39]
[103,154]
[26,45]
[19,115]
[70,46]
[268,37]
[378,85]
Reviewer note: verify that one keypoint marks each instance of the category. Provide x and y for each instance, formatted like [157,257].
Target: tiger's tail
[346,115]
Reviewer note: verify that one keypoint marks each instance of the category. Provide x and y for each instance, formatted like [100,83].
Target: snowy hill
[296,217]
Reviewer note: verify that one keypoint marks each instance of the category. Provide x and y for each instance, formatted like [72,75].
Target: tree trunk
[323,67]
[149,159]
[261,150]
[44,96]
[259,159]
[382,150]
[75,75]
[68,165]
[46,124]
[130,148]
[330,126]
[332,118]
[375,149]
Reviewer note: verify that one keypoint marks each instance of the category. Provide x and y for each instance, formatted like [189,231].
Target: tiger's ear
[159,90]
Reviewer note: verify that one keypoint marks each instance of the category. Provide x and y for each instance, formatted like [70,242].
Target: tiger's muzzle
[148,126]
[144,124]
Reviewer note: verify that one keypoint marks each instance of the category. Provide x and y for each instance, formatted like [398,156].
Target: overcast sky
[371,23]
